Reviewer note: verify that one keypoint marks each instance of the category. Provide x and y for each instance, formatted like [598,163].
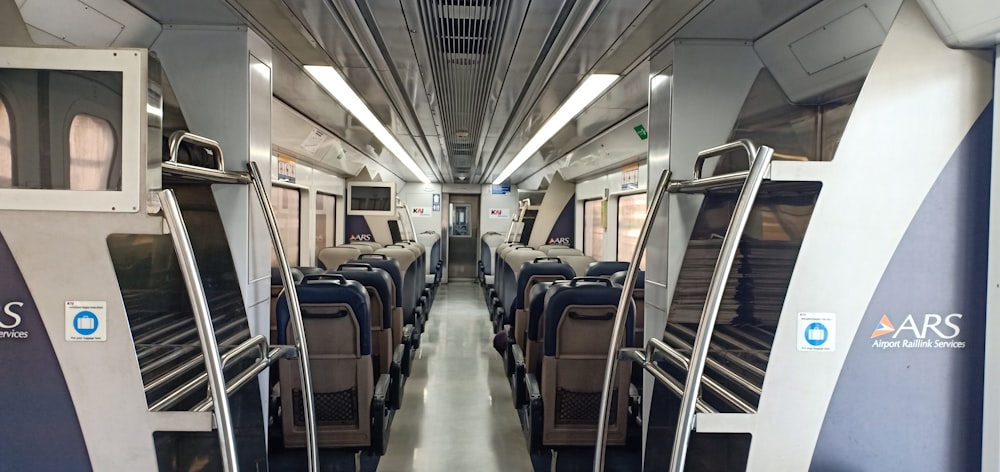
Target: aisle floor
[457,409]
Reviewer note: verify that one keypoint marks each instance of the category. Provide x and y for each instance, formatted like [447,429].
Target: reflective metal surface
[463,236]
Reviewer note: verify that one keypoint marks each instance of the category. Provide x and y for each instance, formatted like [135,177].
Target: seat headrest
[581,291]
[276,275]
[378,279]
[323,289]
[391,267]
[309,271]
[533,269]
[569,251]
[640,280]
[580,264]
[331,257]
[536,306]
[403,256]
[606,268]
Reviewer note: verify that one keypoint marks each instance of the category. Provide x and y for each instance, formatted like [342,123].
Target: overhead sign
[436,202]
[421,212]
[641,131]
[314,141]
[817,331]
[86,321]
[500,213]
[286,169]
[502,189]
[630,177]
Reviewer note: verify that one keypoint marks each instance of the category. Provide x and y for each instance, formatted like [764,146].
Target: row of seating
[364,310]
[558,326]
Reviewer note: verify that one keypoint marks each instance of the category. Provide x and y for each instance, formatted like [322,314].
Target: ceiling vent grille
[463,39]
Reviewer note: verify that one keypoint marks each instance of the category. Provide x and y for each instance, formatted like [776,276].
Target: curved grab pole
[206,333]
[618,332]
[298,328]
[713,301]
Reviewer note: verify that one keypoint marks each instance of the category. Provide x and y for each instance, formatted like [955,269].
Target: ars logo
[361,237]
[943,327]
[563,241]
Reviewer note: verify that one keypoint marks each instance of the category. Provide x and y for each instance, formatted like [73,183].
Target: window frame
[12,125]
[298,236]
[132,65]
[600,254]
[333,238]
[618,223]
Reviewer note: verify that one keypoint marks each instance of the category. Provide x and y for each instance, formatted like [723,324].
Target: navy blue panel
[380,281]
[356,229]
[563,230]
[391,267]
[640,280]
[484,250]
[561,296]
[351,294]
[606,268]
[40,428]
[910,395]
[533,269]
[536,307]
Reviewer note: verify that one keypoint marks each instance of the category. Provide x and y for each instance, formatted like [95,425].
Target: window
[326,221]
[286,211]
[6,148]
[593,230]
[91,153]
[631,214]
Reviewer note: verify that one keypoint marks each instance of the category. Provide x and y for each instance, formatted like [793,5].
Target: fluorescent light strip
[341,91]
[591,88]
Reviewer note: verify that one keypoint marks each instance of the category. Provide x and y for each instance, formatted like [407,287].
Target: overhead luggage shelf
[716,346]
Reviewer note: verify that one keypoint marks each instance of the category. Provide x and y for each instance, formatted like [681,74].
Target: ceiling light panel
[588,91]
[335,85]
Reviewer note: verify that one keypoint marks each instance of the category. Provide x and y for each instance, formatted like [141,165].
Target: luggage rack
[204,336]
[726,388]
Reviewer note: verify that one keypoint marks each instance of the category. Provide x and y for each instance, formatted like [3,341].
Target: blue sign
[816,334]
[436,202]
[502,189]
[85,323]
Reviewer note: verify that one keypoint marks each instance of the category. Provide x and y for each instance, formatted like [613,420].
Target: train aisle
[457,408]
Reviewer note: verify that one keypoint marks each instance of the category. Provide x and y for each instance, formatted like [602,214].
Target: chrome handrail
[621,315]
[268,357]
[713,301]
[295,312]
[178,137]
[203,318]
[744,144]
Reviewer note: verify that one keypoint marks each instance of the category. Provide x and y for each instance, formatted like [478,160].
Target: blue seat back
[391,267]
[584,300]
[606,268]
[374,279]
[640,280]
[542,268]
[323,289]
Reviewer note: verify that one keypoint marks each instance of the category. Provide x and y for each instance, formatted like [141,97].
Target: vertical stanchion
[618,331]
[206,331]
[298,328]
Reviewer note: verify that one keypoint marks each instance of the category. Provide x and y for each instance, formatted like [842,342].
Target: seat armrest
[518,380]
[396,378]
[380,416]
[408,349]
[536,414]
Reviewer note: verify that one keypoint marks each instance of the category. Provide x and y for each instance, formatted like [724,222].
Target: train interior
[499,235]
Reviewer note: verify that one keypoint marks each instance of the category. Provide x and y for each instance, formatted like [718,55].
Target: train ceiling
[464,84]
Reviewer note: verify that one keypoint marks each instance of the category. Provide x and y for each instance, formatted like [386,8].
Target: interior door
[463,236]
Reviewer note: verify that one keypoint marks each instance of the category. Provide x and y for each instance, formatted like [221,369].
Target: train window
[631,214]
[593,230]
[6,148]
[286,210]
[326,221]
[91,152]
